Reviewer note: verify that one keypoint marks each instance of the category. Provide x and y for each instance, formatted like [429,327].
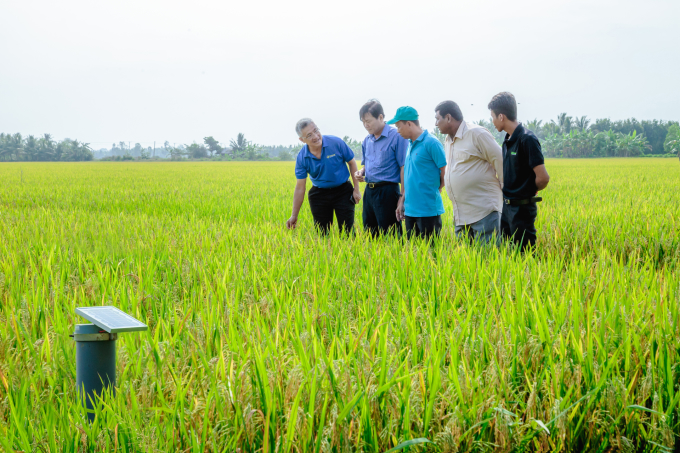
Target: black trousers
[517,224]
[423,227]
[380,210]
[324,202]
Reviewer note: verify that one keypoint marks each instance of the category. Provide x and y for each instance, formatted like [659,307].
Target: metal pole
[95,362]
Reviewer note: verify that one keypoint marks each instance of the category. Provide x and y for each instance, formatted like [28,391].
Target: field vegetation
[266,340]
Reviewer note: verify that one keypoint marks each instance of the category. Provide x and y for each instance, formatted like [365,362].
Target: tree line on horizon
[565,136]
[238,149]
[574,137]
[14,147]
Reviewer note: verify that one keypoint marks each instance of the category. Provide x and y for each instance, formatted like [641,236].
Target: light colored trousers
[484,230]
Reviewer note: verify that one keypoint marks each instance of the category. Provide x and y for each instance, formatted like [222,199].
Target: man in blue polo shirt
[384,152]
[421,203]
[325,159]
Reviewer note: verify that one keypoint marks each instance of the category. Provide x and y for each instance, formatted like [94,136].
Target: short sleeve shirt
[384,156]
[424,159]
[521,153]
[329,170]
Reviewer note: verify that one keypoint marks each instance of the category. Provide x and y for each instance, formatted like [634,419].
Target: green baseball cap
[404,113]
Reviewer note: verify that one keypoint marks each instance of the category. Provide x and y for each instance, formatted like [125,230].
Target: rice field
[266,340]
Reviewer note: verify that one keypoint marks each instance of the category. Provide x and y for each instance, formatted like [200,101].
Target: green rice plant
[266,340]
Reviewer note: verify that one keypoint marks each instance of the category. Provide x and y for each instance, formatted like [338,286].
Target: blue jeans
[484,230]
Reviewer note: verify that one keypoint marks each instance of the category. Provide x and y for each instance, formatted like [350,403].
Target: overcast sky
[144,71]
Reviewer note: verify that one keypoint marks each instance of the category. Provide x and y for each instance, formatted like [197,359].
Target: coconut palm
[14,145]
[238,146]
[564,122]
[582,123]
[46,148]
[73,150]
[535,127]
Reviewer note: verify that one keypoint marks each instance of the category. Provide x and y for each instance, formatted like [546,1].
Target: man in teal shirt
[421,203]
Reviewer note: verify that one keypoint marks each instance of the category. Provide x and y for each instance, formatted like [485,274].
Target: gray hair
[303,123]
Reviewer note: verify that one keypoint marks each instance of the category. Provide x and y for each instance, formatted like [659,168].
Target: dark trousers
[380,210]
[423,227]
[324,202]
[517,224]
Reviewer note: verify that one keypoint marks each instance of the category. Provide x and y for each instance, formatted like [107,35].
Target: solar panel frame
[111,319]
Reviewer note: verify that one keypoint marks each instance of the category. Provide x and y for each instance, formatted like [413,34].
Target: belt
[523,202]
[373,185]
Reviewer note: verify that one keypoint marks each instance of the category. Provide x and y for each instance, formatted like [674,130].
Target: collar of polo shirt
[422,136]
[515,134]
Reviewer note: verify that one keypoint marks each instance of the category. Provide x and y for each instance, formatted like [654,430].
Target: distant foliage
[355,145]
[591,144]
[196,151]
[288,152]
[438,134]
[566,136]
[212,146]
[672,143]
[488,125]
[15,148]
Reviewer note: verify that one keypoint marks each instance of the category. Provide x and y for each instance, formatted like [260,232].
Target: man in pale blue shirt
[421,204]
[384,152]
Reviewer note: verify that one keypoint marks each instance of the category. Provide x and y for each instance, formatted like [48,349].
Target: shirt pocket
[462,155]
[384,158]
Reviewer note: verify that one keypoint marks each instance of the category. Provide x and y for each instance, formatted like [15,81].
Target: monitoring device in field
[96,350]
[111,319]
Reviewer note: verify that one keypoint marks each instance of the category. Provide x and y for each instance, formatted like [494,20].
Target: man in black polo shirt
[524,172]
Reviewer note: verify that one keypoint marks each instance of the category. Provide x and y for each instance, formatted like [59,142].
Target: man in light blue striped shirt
[384,152]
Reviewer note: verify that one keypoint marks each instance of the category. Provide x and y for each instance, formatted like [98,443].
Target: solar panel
[111,319]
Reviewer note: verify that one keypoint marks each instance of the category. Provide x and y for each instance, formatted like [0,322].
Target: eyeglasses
[312,134]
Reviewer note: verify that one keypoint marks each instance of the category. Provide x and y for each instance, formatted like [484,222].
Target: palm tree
[15,145]
[238,147]
[46,147]
[31,148]
[535,127]
[4,147]
[582,123]
[84,151]
[73,150]
[564,122]
[550,128]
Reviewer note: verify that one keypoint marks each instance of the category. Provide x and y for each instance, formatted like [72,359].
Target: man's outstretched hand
[291,223]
